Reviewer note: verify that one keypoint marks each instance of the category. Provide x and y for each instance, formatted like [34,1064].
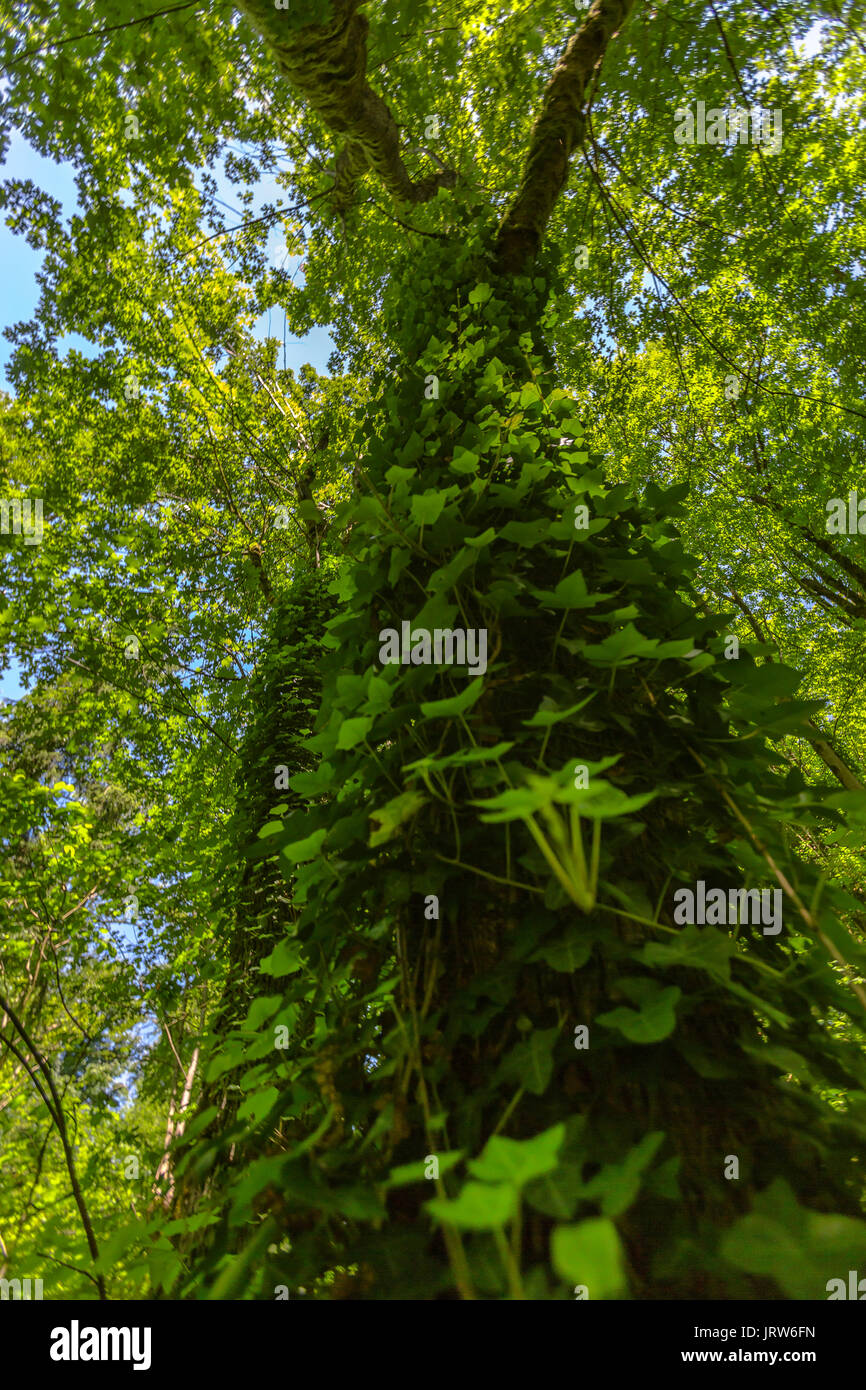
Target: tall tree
[460,959]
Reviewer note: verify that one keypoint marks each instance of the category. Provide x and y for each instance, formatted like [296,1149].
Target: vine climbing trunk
[484,938]
[532,762]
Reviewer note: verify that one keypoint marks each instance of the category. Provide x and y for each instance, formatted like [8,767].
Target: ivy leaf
[406,1173]
[393,814]
[464,461]
[623,648]
[700,948]
[258,1105]
[518,1160]
[427,507]
[570,592]
[260,1009]
[300,851]
[480,294]
[354,731]
[526,533]
[548,713]
[530,1063]
[284,959]
[618,1184]
[380,693]
[656,1019]
[455,704]
[558,1193]
[801,1249]
[590,1253]
[479,1206]
[567,954]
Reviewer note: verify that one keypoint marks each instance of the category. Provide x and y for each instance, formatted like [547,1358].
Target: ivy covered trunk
[515,1068]
[253,899]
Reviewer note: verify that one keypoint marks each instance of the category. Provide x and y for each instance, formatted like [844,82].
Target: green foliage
[406,1011]
[449,781]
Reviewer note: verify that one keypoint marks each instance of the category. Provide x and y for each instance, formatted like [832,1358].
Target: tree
[458,886]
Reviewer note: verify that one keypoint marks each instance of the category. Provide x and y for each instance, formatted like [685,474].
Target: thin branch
[108,29]
[60,1121]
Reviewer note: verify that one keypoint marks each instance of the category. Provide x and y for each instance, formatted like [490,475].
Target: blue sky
[20,293]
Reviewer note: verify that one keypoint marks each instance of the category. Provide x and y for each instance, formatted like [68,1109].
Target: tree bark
[558,131]
[327,65]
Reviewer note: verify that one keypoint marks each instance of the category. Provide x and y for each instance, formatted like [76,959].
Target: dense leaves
[379,721]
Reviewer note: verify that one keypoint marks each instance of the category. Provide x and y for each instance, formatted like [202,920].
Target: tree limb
[828,755]
[57,1115]
[327,65]
[558,131]
[821,743]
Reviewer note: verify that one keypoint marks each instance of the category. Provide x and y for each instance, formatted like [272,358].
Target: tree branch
[558,131]
[107,29]
[57,1115]
[821,743]
[327,65]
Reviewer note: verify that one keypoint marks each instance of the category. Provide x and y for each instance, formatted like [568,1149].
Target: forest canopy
[433,820]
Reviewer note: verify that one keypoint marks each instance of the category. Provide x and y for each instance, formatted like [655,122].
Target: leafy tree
[432,1023]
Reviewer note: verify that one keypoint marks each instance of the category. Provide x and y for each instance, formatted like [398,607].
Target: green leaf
[526,533]
[530,1063]
[302,850]
[623,648]
[427,507]
[464,461]
[393,814]
[480,294]
[518,1160]
[284,959]
[412,449]
[590,1253]
[568,953]
[771,680]
[462,758]
[455,704]
[548,713]
[258,1105]
[354,731]
[656,1019]
[479,1207]
[396,474]
[260,1009]
[801,1249]
[313,783]
[558,1193]
[698,948]
[570,592]
[618,1184]
[414,1172]
[380,693]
